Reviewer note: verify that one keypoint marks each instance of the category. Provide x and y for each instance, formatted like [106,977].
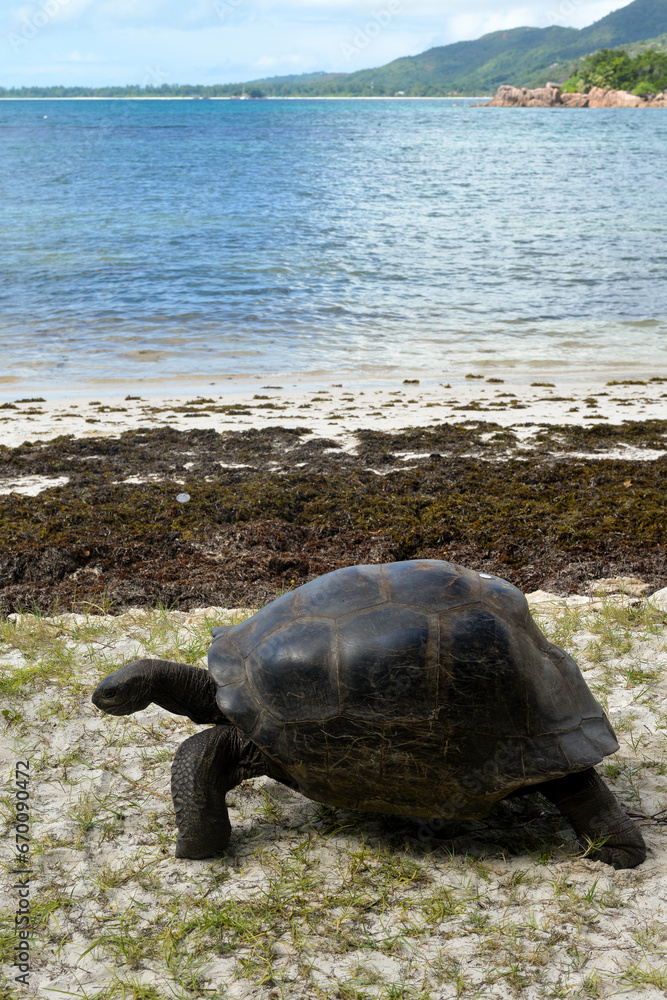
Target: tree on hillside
[613,69]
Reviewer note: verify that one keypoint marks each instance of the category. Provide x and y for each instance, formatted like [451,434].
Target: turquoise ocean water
[170,240]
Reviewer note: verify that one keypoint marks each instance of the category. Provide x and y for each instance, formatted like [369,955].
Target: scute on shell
[415,687]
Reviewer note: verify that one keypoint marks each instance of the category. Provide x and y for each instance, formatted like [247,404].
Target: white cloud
[473,24]
[477,17]
[77,57]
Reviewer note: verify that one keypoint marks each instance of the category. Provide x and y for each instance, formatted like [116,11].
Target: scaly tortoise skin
[416,688]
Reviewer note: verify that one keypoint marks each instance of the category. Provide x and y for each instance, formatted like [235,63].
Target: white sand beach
[339,409]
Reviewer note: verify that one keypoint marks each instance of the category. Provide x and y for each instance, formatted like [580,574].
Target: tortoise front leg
[205,768]
[595,813]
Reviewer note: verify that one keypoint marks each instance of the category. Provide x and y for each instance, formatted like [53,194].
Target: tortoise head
[124,691]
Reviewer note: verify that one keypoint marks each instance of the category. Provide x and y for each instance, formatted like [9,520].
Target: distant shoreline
[331,97]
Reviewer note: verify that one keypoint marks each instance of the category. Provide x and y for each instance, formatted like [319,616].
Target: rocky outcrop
[551,97]
[598,98]
[574,100]
[520,97]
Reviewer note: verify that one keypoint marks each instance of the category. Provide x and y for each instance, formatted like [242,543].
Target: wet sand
[340,409]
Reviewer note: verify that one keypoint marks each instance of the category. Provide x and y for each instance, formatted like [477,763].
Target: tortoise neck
[184,690]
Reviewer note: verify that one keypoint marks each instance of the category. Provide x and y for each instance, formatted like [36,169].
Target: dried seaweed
[272,508]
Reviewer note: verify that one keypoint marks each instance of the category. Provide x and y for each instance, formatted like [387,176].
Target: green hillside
[520,56]
[632,23]
[563,71]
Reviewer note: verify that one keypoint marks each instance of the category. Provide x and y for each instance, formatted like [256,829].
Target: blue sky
[98,42]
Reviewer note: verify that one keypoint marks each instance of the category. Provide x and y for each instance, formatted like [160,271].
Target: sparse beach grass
[313,901]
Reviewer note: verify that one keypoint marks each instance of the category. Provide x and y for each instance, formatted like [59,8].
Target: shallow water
[186,240]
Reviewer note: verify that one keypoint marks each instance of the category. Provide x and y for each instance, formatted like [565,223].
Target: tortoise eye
[110,692]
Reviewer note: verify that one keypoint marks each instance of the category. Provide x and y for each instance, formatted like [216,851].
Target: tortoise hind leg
[205,768]
[595,814]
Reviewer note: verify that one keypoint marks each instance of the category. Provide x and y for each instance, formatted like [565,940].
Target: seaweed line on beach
[540,505]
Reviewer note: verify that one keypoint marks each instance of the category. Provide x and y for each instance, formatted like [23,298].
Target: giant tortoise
[416,688]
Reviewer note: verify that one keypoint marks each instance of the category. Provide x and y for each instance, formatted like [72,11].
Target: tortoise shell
[415,687]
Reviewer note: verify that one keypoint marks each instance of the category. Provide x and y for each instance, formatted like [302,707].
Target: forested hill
[520,56]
